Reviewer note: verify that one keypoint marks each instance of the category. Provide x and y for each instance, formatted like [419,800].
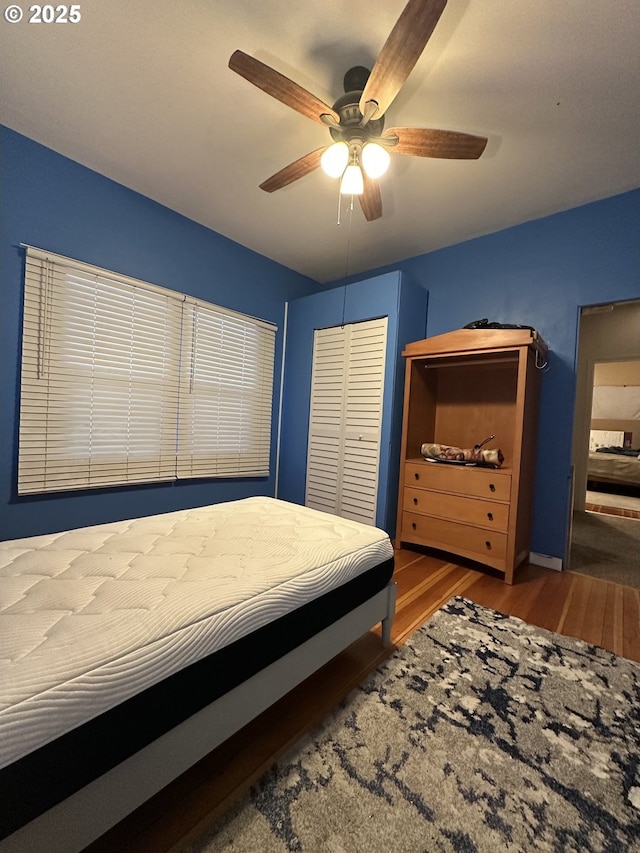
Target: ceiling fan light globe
[352,181]
[334,160]
[375,159]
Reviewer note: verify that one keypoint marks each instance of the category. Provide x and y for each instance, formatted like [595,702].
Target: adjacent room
[320,426]
[607,418]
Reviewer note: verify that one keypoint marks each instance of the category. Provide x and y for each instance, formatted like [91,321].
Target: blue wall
[540,274]
[53,203]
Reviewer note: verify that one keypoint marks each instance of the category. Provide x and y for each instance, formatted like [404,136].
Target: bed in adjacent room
[614,466]
[132,649]
[612,461]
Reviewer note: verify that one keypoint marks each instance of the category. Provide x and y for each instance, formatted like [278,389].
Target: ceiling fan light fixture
[356,120]
[352,181]
[334,160]
[375,159]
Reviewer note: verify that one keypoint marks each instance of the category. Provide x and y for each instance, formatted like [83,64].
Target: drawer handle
[492,488]
[490,516]
[415,500]
[417,476]
[488,544]
[413,525]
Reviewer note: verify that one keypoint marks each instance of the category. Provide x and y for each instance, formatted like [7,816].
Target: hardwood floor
[596,611]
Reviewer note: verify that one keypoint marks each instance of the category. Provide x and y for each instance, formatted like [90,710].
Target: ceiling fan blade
[370,199]
[280,87]
[400,52]
[293,171]
[448,144]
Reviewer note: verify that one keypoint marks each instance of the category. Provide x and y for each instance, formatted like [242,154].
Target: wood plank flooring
[596,611]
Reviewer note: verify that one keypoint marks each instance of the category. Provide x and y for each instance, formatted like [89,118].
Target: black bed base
[52,773]
[629,490]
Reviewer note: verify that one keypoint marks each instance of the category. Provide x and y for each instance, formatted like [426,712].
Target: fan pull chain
[348,257]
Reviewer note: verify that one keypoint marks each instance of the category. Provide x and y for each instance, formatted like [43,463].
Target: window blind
[226,391]
[124,382]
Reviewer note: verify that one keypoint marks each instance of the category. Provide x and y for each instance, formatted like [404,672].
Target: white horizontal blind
[226,394]
[103,378]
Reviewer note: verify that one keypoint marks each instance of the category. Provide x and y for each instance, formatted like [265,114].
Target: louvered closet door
[345,419]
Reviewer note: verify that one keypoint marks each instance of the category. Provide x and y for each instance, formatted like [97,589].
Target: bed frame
[617,484]
[90,812]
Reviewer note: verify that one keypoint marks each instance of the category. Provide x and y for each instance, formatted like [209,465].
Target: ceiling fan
[359,153]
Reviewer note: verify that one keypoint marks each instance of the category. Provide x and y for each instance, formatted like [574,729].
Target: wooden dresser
[461,387]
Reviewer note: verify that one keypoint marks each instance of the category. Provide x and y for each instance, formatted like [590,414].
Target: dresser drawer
[476,482]
[473,542]
[489,514]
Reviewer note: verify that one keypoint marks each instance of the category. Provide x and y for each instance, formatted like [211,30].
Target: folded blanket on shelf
[473,456]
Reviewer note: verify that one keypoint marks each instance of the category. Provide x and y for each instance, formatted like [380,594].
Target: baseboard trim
[545,560]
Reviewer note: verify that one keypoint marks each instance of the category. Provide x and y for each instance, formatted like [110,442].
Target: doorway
[605,529]
[613,471]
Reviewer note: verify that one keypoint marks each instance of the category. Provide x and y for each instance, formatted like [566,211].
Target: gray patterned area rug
[482,733]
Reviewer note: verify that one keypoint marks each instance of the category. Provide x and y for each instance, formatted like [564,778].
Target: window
[125,382]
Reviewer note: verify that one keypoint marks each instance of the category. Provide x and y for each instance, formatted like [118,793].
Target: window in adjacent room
[125,382]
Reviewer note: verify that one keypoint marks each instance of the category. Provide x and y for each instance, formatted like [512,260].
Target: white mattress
[90,617]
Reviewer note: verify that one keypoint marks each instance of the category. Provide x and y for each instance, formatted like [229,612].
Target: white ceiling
[141,92]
